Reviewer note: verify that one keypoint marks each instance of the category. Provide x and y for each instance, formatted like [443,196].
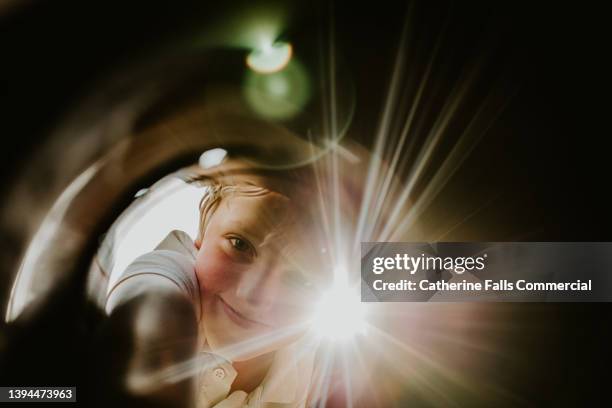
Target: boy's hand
[158,331]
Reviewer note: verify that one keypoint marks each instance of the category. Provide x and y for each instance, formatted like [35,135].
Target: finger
[255,398]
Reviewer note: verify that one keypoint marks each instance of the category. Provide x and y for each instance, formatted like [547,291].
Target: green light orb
[270,58]
[279,95]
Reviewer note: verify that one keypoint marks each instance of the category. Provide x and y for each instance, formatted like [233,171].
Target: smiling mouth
[237,317]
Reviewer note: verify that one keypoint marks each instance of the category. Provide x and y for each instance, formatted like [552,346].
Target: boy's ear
[198,243]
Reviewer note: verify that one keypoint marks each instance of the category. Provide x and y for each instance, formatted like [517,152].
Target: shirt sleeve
[164,270]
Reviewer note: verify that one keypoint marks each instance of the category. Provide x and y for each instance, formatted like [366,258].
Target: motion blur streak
[45,233]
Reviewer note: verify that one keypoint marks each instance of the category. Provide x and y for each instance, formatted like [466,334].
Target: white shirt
[172,266]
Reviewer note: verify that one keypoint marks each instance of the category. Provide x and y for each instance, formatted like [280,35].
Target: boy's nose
[259,285]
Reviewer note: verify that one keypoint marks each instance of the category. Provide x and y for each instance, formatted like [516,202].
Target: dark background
[544,161]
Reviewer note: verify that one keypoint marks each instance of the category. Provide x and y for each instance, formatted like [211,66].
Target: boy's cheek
[214,271]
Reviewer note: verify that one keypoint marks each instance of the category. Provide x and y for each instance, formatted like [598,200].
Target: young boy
[251,277]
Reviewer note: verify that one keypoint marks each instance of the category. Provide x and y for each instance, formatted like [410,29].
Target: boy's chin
[236,343]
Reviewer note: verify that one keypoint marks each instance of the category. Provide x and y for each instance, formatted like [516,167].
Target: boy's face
[258,270]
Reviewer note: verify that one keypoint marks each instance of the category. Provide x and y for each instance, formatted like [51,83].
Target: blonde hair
[215,193]
[291,183]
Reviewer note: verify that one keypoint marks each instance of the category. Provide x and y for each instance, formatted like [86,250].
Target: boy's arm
[160,271]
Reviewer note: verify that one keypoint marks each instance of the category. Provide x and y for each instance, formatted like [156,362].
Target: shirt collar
[287,381]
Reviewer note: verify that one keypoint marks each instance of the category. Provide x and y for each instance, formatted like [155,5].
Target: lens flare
[270,58]
[339,315]
[279,95]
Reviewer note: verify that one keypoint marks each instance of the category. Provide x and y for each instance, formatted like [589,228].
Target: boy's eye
[240,248]
[240,244]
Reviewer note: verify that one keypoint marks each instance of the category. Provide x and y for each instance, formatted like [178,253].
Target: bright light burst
[339,315]
[279,94]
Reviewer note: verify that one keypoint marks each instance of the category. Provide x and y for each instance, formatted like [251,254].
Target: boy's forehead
[265,209]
